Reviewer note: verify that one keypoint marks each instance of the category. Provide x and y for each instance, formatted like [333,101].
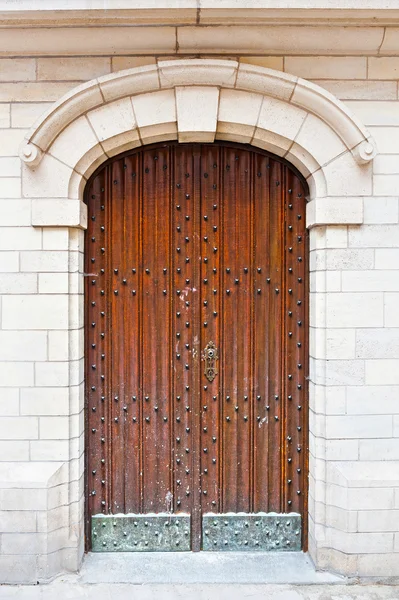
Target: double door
[196,327]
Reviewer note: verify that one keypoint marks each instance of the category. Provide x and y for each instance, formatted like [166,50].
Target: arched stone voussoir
[198,101]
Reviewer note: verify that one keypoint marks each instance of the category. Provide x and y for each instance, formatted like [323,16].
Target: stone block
[156,115]
[5,115]
[9,262]
[119,63]
[50,179]
[340,449]
[34,91]
[9,167]
[58,345]
[13,374]
[53,283]
[385,185]
[387,258]
[18,428]
[15,212]
[341,519]
[35,312]
[334,211]
[377,113]
[375,449]
[9,402]
[54,428]
[383,67]
[17,69]
[18,283]
[319,139]
[25,114]
[77,156]
[54,212]
[10,187]
[346,177]
[391,312]
[112,119]
[62,68]
[367,281]
[197,113]
[239,107]
[333,236]
[49,450]
[349,259]
[55,238]
[354,310]
[137,81]
[372,400]
[52,374]
[378,520]
[280,118]
[380,210]
[377,343]
[382,371]
[374,236]
[341,344]
[377,565]
[14,451]
[385,164]
[327,67]
[359,89]
[387,139]
[10,141]
[91,41]
[268,62]
[23,345]
[20,238]
[37,401]
[344,372]
[367,543]
[51,261]
[335,400]
[16,571]
[17,521]
[20,544]
[13,499]
[317,310]
[277,39]
[220,73]
[358,427]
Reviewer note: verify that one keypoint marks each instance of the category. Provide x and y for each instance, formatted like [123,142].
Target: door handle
[210,356]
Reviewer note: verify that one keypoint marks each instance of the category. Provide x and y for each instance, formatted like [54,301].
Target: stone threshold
[202,567]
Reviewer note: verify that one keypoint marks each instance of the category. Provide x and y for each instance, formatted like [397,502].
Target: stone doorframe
[195,101]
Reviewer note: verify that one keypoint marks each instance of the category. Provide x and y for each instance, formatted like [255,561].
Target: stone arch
[198,101]
[194,101]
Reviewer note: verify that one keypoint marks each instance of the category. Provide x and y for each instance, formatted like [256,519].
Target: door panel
[188,245]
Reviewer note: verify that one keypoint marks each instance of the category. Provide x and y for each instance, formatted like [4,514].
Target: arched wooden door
[196,351]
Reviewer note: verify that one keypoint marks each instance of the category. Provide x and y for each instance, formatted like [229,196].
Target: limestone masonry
[316,83]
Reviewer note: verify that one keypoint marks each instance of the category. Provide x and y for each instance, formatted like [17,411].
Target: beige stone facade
[316,85]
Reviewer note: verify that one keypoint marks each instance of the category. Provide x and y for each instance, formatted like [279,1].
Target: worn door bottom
[264,532]
[230,532]
[141,533]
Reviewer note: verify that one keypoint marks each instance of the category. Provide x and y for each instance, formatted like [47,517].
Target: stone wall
[354,326]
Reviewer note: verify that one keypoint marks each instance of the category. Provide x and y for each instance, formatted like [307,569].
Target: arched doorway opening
[196,351]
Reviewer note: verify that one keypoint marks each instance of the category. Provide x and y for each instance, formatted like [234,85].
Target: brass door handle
[210,356]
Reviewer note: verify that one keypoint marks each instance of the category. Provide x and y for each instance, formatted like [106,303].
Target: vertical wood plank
[156,332]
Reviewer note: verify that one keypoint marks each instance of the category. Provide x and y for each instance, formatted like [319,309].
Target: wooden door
[196,351]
